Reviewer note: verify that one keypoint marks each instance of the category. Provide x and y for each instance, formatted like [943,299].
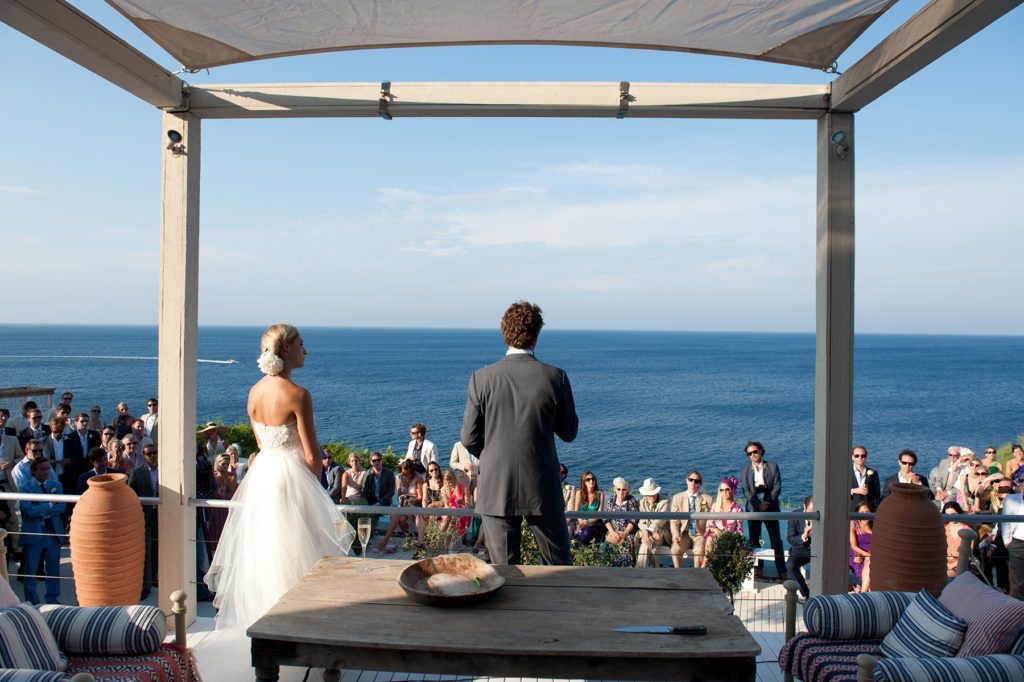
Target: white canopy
[204,33]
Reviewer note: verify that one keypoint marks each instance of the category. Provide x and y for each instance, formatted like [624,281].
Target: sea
[651,404]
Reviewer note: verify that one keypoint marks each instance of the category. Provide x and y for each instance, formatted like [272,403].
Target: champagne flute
[339,531]
[365,530]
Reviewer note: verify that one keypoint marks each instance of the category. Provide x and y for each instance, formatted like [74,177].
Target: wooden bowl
[450,580]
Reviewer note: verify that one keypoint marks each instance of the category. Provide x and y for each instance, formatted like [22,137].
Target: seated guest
[975,483]
[351,481]
[860,550]
[224,486]
[654,533]
[379,486]
[40,523]
[799,538]
[212,437]
[724,502]
[688,536]
[234,453]
[409,485]
[568,496]
[953,540]
[589,498]
[98,462]
[332,474]
[434,496]
[619,532]
[456,496]
[906,474]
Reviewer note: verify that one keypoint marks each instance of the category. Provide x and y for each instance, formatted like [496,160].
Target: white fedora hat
[649,487]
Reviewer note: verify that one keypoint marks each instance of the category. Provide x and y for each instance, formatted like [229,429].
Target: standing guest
[989,460]
[799,537]
[465,465]
[1013,538]
[514,410]
[953,540]
[132,456]
[63,412]
[106,434]
[1014,467]
[35,429]
[421,451]
[150,418]
[994,557]
[65,399]
[654,533]
[145,481]
[619,532]
[906,474]
[379,485]
[409,485]
[688,535]
[115,455]
[213,440]
[139,431]
[866,487]
[80,442]
[860,550]
[96,418]
[10,454]
[589,498]
[568,496]
[5,430]
[19,422]
[55,450]
[98,465]
[205,490]
[975,485]
[352,481]
[40,525]
[224,486]
[123,421]
[21,474]
[724,502]
[942,479]
[762,486]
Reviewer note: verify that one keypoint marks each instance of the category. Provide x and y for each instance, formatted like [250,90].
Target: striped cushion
[864,615]
[997,668]
[823,660]
[98,630]
[1018,646]
[993,619]
[26,642]
[31,676]
[925,629]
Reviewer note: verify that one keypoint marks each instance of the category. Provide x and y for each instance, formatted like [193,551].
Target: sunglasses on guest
[906,464]
[695,480]
[751,453]
[860,456]
[725,490]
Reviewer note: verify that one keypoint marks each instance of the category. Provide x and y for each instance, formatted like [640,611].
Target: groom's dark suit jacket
[514,410]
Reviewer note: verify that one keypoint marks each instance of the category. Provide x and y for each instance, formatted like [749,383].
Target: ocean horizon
[651,403]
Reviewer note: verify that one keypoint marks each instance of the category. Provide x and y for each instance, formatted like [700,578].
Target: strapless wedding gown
[282,524]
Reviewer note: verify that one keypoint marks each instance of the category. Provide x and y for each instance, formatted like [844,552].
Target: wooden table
[546,621]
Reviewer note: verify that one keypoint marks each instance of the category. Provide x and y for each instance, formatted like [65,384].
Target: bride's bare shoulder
[275,400]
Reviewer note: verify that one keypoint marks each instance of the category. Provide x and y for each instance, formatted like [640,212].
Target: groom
[514,409]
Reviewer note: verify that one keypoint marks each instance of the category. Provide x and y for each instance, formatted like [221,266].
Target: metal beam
[585,100]
[936,29]
[833,366]
[65,30]
[177,351]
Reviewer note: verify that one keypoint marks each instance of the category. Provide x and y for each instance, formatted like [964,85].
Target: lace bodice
[283,436]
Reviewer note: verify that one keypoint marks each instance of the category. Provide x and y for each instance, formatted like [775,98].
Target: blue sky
[633,224]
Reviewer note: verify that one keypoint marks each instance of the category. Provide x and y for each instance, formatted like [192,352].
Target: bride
[283,521]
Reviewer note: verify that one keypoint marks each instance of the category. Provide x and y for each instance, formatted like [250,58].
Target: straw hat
[212,426]
[649,487]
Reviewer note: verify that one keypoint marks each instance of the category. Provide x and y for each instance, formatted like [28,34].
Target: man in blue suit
[762,486]
[42,518]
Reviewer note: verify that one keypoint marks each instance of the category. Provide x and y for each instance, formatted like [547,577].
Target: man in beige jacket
[688,536]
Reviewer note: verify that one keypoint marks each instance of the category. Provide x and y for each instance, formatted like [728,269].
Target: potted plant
[730,562]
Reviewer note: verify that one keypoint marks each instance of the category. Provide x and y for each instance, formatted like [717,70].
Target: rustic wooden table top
[546,621]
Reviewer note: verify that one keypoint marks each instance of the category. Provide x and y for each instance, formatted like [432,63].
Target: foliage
[594,554]
[730,561]
[1004,453]
[437,540]
[244,436]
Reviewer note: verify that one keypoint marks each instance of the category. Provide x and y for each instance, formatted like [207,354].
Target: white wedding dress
[283,523]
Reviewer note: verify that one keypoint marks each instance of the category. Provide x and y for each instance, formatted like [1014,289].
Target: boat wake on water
[107,357]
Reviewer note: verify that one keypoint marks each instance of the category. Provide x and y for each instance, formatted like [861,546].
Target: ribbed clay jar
[108,543]
[908,544]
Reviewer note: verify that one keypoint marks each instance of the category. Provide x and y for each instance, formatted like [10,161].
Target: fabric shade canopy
[205,33]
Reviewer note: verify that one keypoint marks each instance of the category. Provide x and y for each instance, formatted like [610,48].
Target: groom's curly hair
[521,324]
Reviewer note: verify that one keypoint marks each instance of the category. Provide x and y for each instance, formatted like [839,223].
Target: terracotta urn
[108,543]
[908,544]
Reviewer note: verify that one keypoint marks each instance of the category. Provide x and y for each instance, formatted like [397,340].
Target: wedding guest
[19,422]
[1014,467]
[80,442]
[688,535]
[10,454]
[456,496]
[589,498]
[234,453]
[409,485]
[975,485]
[989,460]
[762,486]
[799,538]
[568,496]
[5,430]
[994,557]
[63,412]
[725,501]
[98,462]
[145,481]
[123,421]
[224,486]
[332,475]
[66,398]
[654,533]
[115,455]
[1013,539]
[55,450]
[906,474]
[619,532]
[352,481]
[40,524]
[96,419]
[35,429]
[465,465]
[139,431]
[151,417]
[213,440]
[953,529]
[860,551]
[421,451]
[106,434]
[379,486]
[434,496]
[942,479]
[132,456]
[205,490]
[866,487]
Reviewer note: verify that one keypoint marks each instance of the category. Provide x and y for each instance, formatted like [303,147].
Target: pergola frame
[933,31]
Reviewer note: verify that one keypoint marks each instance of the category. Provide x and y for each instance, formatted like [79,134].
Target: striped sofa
[843,643]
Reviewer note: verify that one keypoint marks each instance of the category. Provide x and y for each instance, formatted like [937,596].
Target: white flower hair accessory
[270,363]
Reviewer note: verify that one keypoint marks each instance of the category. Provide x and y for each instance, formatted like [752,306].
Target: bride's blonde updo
[274,338]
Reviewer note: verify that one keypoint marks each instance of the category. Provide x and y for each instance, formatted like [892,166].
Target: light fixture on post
[174,144]
[839,146]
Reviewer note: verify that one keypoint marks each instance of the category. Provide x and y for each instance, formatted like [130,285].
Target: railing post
[791,589]
[179,609]
[963,561]
[865,668]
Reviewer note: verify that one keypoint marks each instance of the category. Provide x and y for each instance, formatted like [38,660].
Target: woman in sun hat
[654,535]
[212,435]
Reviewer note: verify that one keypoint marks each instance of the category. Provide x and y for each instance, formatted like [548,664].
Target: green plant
[730,561]
[1005,452]
[594,554]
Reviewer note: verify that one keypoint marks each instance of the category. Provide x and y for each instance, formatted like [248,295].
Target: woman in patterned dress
[725,502]
[620,531]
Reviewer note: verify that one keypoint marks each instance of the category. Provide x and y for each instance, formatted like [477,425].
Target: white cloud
[20,189]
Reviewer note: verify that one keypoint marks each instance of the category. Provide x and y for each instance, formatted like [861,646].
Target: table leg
[267,673]
[332,675]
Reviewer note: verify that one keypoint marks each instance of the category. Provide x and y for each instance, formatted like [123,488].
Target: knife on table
[667,629]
